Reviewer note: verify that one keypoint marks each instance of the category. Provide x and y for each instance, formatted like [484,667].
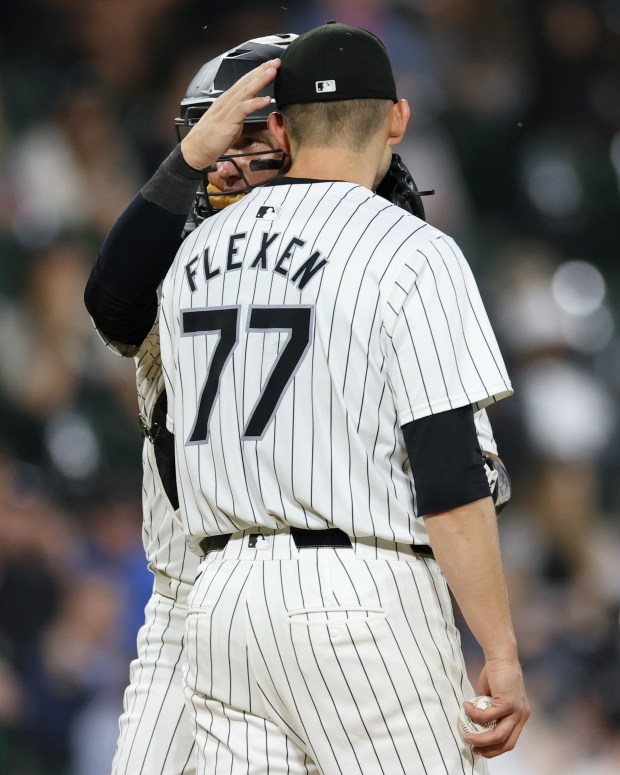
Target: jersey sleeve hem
[478,400]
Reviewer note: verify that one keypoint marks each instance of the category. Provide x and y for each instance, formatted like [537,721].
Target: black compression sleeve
[446,461]
[121,294]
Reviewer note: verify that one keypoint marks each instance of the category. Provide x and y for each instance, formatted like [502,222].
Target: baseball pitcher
[324,355]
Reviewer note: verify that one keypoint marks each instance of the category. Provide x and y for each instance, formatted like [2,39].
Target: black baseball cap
[334,62]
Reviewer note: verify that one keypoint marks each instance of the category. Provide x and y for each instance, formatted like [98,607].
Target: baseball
[468,725]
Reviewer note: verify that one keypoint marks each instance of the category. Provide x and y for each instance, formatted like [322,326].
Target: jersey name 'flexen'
[301,328]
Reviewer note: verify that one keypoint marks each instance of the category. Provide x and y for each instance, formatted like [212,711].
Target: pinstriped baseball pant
[155,728]
[330,660]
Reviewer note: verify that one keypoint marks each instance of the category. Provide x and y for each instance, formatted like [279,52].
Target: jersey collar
[284,181]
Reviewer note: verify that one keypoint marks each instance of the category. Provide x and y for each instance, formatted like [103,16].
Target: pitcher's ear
[399,118]
[275,124]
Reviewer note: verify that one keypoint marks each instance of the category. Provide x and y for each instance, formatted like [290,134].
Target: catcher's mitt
[399,188]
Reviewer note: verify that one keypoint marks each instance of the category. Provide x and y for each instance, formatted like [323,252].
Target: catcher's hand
[399,188]
[499,481]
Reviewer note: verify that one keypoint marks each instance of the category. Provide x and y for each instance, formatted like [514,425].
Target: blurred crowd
[516,126]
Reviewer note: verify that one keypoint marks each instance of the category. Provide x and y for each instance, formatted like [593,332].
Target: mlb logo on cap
[323,86]
[323,65]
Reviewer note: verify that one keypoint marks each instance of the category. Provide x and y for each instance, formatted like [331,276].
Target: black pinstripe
[278,654]
[155,733]
[297,688]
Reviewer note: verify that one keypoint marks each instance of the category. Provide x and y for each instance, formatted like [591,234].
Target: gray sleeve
[174,184]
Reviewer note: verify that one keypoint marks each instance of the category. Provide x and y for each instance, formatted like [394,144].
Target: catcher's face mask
[254,158]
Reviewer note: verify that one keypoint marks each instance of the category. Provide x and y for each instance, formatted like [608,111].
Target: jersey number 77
[224,321]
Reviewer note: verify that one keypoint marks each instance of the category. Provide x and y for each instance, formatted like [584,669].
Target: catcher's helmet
[219,74]
[215,77]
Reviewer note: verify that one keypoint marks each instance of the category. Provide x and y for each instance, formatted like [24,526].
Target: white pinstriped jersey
[155,732]
[162,532]
[301,328]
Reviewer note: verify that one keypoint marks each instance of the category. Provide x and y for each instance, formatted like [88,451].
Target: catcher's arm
[399,188]
[121,294]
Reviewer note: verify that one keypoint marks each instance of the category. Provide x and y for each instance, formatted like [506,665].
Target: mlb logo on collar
[268,212]
[325,86]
